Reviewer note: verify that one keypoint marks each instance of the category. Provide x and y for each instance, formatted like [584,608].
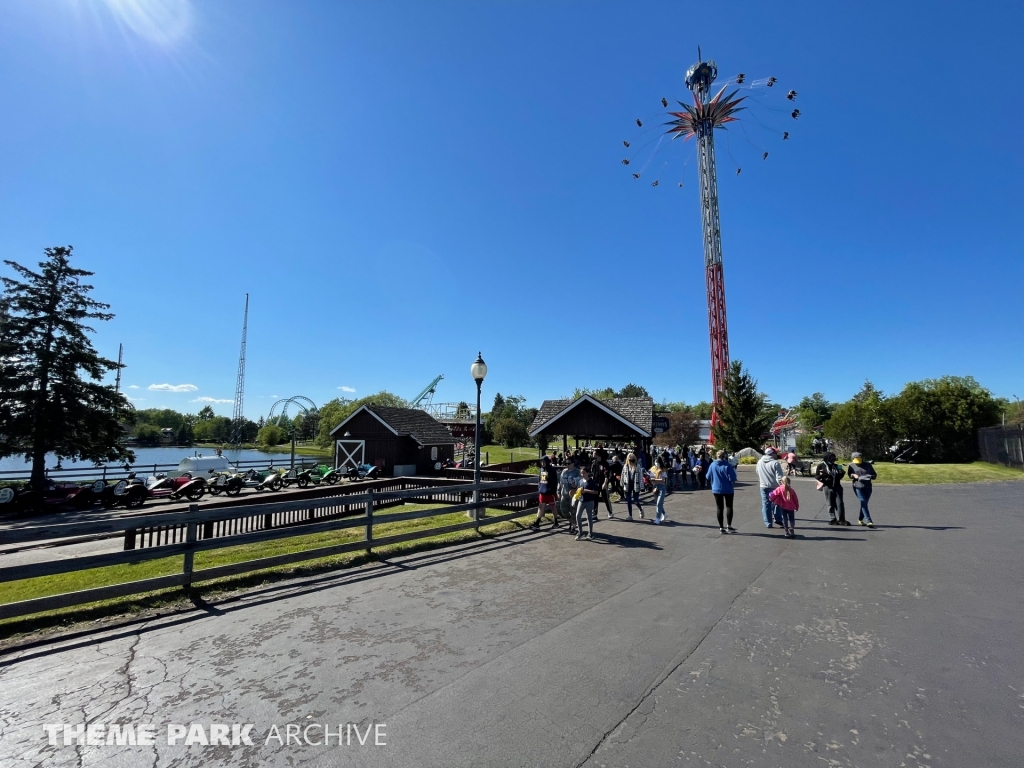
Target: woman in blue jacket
[722,477]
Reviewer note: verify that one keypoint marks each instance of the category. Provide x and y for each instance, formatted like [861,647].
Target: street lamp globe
[478,369]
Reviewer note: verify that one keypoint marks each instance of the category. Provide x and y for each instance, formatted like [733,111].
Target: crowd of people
[574,485]
[822,445]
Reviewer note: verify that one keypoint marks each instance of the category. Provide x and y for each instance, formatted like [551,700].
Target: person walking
[785,499]
[659,476]
[632,483]
[862,473]
[769,475]
[791,463]
[703,464]
[615,476]
[677,472]
[722,477]
[568,482]
[589,489]
[599,472]
[830,475]
[546,490]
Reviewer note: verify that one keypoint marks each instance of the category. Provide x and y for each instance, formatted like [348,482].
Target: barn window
[433,453]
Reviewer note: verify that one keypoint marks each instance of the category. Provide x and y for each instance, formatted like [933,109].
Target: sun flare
[164,22]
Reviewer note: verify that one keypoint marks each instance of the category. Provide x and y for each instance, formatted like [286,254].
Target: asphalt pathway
[651,646]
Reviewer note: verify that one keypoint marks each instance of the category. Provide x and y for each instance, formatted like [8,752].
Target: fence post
[190,539]
[478,500]
[129,539]
[369,519]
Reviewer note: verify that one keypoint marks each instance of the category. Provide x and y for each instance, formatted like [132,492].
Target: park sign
[659,424]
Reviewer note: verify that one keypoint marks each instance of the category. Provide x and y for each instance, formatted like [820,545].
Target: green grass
[499,454]
[27,589]
[300,450]
[928,474]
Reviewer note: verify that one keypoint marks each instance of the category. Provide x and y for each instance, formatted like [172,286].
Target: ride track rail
[197,522]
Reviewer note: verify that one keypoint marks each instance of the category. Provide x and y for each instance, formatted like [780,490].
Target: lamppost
[479,372]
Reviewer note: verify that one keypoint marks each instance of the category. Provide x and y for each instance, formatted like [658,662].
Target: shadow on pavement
[625,542]
[799,534]
[263,595]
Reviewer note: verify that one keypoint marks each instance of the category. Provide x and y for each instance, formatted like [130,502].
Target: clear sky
[400,185]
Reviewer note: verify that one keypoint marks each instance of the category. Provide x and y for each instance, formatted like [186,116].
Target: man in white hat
[769,475]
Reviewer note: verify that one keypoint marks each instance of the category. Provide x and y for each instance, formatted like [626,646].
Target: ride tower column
[698,80]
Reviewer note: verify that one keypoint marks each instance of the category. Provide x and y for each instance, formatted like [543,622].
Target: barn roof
[417,424]
[637,411]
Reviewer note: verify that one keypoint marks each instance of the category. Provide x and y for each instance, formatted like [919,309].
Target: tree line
[934,419]
[931,420]
[55,402]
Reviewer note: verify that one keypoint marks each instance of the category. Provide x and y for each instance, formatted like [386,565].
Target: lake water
[144,456]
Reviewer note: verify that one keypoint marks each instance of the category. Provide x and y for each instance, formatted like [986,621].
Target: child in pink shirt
[784,497]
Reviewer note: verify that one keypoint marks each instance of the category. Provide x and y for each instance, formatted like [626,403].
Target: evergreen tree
[743,412]
[632,390]
[53,401]
[499,405]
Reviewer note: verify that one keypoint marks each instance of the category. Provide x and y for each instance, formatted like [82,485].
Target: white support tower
[238,415]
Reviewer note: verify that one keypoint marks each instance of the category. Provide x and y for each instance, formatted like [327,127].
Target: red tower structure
[700,121]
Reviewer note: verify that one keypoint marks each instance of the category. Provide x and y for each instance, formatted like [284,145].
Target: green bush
[271,435]
[748,460]
[147,433]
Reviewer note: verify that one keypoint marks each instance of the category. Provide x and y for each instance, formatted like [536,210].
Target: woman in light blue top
[723,479]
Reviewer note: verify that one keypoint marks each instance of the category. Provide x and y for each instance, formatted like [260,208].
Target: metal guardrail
[194,542]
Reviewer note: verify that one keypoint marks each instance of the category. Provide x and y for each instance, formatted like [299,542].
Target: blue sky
[400,185]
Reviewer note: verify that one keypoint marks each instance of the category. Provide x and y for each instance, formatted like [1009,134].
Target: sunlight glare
[164,22]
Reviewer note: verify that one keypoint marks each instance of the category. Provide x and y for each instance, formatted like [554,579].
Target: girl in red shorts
[547,487]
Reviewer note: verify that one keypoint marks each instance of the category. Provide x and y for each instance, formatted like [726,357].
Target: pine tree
[743,415]
[53,401]
[632,390]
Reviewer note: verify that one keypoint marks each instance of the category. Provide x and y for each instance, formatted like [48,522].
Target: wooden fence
[325,503]
[513,466]
[192,526]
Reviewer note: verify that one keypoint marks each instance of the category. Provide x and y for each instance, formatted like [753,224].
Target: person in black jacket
[599,472]
[830,475]
[615,475]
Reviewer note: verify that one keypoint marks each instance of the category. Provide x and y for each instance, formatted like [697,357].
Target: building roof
[417,424]
[637,411]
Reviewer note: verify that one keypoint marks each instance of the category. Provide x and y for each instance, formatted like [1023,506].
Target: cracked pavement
[651,646]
